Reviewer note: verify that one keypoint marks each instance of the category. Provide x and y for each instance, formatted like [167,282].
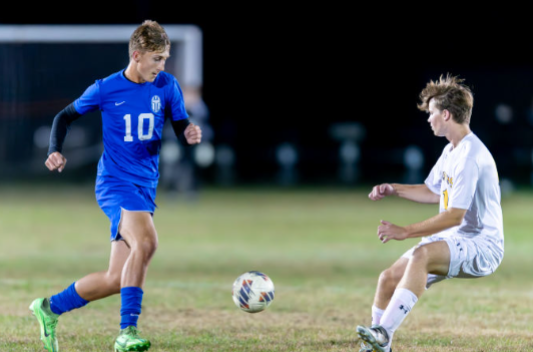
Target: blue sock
[131,306]
[66,301]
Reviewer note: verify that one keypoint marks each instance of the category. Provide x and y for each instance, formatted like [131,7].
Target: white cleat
[374,337]
[365,347]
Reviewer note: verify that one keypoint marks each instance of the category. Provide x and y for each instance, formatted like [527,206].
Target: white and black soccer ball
[253,292]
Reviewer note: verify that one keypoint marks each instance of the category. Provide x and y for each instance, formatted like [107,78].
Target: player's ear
[136,56]
[447,114]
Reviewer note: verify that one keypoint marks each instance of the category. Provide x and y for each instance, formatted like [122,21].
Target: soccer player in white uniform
[465,240]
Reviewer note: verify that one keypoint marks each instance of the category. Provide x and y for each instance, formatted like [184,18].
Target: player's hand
[380,191]
[388,231]
[193,134]
[56,161]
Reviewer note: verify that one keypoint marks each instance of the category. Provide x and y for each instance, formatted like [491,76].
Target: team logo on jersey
[448,179]
[156,103]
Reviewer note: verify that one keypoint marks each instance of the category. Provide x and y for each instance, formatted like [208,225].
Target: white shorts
[469,257]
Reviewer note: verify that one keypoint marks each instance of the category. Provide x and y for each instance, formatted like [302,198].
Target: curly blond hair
[149,36]
[449,93]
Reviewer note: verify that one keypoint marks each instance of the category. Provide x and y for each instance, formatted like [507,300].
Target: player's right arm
[60,127]
[416,193]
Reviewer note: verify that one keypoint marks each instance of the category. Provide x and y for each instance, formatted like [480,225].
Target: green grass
[318,245]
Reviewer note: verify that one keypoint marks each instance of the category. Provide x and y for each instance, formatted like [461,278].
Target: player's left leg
[387,283]
[47,321]
[431,258]
[48,310]
[102,284]
[138,230]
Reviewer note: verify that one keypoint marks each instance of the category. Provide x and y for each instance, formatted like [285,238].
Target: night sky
[275,73]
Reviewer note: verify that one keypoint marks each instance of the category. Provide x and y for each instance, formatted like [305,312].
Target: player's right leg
[129,340]
[130,208]
[429,258]
[138,230]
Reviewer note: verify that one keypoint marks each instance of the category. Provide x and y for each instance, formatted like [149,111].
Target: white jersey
[466,177]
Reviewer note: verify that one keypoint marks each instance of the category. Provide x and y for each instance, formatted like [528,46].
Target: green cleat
[48,321]
[129,340]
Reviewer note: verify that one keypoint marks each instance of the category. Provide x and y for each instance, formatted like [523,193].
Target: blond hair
[449,93]
[149,36]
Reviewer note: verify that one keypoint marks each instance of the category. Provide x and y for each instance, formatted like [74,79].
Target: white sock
[400,305]
[377,313]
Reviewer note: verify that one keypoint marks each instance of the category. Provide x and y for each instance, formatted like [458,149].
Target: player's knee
[144,242]
[113,281]
[148,246]
[420,255]
[390,277]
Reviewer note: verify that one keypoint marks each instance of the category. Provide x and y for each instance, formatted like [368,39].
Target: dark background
[277,73]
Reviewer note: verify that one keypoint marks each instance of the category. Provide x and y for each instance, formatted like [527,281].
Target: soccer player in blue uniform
[134,104]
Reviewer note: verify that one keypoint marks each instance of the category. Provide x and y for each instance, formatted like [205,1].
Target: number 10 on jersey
[140,127]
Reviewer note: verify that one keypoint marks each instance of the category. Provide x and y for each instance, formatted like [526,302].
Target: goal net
[43,68]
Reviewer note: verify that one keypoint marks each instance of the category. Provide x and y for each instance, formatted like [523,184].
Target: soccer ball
[253,292]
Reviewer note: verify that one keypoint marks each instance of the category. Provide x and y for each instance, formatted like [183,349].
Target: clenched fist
[380,191]
[193,134]
[55,161]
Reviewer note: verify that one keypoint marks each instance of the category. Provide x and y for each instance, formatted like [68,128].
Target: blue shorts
[113,195]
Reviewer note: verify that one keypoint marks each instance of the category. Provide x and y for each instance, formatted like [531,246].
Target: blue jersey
[133,115]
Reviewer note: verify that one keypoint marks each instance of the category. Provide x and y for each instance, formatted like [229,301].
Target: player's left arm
[187,132]
[452,217]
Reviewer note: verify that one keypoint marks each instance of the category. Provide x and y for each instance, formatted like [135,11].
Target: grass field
[318,245]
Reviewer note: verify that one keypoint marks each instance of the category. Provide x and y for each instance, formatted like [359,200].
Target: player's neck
[457,134]
[132,75]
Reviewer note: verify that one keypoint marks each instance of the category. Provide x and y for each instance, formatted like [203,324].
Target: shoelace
[382,332]
[132,332]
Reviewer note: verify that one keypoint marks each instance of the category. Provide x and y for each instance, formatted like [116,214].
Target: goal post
[188,36]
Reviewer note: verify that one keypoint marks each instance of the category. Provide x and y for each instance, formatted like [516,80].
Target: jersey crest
[156,103]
